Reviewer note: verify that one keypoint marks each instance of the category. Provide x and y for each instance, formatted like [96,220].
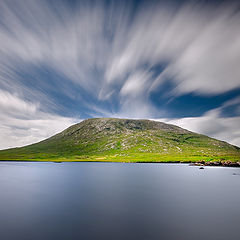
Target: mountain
[110,139]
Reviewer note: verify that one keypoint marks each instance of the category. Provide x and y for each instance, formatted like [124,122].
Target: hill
[125,140]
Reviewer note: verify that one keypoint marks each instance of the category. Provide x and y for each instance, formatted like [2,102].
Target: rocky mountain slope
[109,139]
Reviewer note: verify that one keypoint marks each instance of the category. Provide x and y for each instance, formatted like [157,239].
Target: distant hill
[125,140]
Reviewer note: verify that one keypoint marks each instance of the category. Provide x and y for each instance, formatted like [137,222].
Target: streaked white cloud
[24,123]
[200,44]
[225,129]
[13,106]
[213,124]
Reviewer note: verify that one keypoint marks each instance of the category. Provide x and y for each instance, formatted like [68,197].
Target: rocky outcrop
[225,163]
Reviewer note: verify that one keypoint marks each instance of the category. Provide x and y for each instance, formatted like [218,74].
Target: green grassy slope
[125,140]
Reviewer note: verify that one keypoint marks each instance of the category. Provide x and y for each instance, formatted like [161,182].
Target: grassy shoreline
[196,161]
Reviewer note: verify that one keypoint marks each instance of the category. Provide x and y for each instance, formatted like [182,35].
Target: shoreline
[190,163]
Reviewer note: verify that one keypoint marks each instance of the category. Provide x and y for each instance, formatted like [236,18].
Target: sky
[65,61]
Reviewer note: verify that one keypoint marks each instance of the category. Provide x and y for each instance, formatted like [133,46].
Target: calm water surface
[118,201]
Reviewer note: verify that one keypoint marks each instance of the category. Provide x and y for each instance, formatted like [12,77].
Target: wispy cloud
[24,123]
[225,129]
[213,124]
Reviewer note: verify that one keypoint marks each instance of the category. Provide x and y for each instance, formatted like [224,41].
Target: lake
[118,201]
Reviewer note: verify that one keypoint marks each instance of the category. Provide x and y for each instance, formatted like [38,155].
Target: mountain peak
[120,124]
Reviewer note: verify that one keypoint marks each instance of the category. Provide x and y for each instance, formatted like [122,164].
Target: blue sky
[172,61]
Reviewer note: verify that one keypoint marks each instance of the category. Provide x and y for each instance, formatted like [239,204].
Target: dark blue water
[118,201]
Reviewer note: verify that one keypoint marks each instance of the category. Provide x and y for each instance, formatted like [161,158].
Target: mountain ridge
[125,140]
